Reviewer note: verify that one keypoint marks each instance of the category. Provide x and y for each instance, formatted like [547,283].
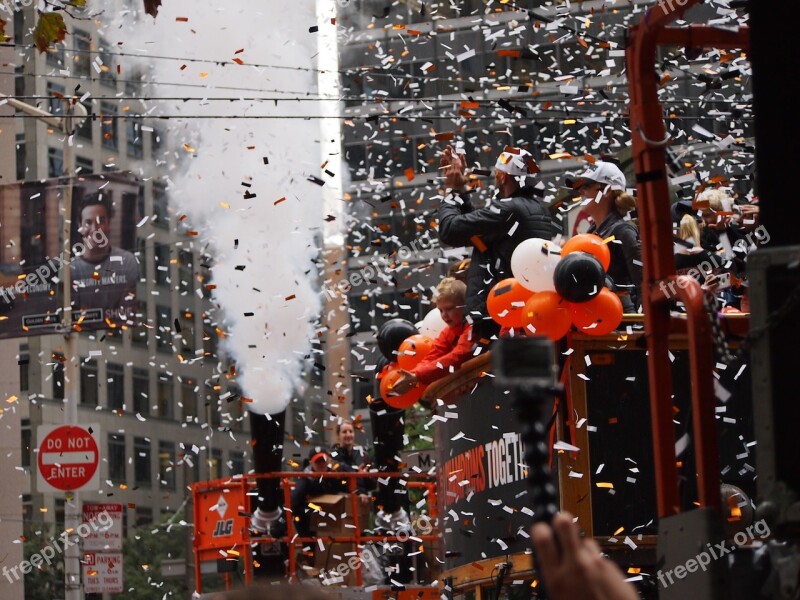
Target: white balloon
[432,325]
[534,262]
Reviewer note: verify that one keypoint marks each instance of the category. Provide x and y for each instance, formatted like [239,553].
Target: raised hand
[455,168]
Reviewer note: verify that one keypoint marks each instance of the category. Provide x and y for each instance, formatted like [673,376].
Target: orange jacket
[451,348]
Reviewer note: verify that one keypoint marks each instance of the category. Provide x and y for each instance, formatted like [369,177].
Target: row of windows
[167,463]
[167,404]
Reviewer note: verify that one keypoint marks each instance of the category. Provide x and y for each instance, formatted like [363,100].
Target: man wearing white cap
[493,231]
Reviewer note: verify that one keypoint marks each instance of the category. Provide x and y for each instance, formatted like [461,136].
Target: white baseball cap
[516,162]
[602,172]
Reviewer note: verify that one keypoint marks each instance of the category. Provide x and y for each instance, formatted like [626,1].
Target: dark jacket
[493,232]
[350,460]
[626,257]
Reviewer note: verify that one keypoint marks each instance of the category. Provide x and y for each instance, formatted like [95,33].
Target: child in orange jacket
[452,347]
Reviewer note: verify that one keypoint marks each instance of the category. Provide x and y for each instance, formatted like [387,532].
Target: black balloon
[579,277]
[393,333]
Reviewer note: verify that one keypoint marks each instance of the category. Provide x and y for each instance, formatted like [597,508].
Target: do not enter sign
[68,458]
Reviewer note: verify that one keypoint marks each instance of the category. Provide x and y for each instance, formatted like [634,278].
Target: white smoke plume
[246,189]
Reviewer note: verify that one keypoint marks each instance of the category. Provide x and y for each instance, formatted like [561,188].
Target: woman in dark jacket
[603,187]
[352,458]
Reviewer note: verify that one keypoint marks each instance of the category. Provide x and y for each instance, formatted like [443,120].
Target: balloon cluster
[554,288]
[405,348]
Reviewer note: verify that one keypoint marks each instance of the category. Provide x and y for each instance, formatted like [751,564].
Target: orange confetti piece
[188,148]
[478,566]
[478,243]
[410,174]
[238,61]
[469,105]
[182,217]
[444,137]
[182,19]
[203,74]
[239,51]
[510,53]
[279,200]
[292,297]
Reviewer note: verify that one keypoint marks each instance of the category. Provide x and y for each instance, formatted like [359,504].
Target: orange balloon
[591,244]
[547,313]
[600,315]
[413,350]
[506,302]
[406,400]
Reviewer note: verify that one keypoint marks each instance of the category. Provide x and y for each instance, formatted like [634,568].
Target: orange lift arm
[649,140]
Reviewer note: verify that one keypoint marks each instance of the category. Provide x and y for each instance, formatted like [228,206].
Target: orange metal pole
[649,140]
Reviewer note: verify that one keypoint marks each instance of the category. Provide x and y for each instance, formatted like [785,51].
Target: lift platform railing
[222,509]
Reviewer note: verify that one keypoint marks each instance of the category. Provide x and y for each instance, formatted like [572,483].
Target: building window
[115,386]
[187,333]
[85,130]
[164,328]
[21,157]
[188,401]
[106,66]
[166,464]
[139,333]
[55,55]
[161,253]
[165,396]
[89,395]
[109,125]
[135,143]
[215,464]
[26,439]
[160,206]
[82,58]
[143,516]
[116,458]
[23,361]
[84,165]
[55,162]
[185,272]
[55,98]
[141,391]
[236,463]
[58,376]
[142,474]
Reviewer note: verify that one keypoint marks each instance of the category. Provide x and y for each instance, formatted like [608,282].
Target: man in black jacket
[494,231]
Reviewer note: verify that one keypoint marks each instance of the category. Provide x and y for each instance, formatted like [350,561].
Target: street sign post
[105,539]
[102,573]
[68,458]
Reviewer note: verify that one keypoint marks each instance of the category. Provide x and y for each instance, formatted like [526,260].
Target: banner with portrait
[101,257]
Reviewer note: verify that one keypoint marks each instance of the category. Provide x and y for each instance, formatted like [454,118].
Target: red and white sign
[68,458]
[102,573]
[105,522]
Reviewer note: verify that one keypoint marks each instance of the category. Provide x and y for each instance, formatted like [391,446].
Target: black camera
[524,361]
